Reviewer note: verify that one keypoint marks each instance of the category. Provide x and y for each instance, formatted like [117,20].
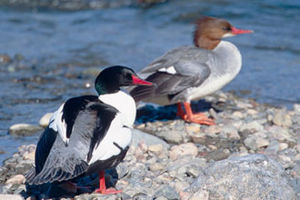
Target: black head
[112,78]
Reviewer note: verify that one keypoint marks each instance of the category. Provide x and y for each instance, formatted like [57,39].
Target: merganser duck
[189,73]
[88,134]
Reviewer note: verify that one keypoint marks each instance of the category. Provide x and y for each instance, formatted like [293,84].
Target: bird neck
[124,103]
[227,58]
[206,43]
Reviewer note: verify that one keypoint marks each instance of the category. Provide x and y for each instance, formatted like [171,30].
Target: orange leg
[198,118]
[102,187]
[180,111]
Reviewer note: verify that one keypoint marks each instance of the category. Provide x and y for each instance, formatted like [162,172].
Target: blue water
[59,46]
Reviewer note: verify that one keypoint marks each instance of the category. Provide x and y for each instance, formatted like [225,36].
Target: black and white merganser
[191,72]
[88,134]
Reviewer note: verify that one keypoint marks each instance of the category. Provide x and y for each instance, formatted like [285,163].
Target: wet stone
[44,121]
[24,129]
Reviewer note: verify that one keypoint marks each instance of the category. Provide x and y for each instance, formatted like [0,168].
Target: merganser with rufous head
[190,73]
[88,134]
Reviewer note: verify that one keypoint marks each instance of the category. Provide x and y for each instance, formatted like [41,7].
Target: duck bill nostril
[137,81]
[237,31]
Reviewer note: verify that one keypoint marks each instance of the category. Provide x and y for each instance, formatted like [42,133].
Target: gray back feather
[190,64]
[176,57]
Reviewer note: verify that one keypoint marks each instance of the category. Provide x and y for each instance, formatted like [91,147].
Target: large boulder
[249,177]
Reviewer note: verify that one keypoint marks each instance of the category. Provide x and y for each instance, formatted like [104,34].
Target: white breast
[210,86]
[122,102]
[224,64]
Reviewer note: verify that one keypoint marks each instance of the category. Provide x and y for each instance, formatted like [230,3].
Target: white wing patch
[116,134]
[59,125]
[169,70]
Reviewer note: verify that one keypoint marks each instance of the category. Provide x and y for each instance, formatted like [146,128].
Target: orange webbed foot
[200,118]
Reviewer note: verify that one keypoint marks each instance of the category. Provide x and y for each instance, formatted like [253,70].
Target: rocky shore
[252,153]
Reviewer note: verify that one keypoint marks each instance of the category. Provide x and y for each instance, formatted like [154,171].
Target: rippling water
[59,46]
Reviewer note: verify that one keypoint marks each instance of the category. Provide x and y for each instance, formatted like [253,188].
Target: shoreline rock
[249,149]
[44,121]
[24,129]
[263,177]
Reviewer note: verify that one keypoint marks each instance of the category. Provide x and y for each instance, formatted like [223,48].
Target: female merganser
[189,73]
[88,134]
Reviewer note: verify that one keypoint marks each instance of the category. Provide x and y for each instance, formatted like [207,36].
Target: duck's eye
[227,28]
[129,76]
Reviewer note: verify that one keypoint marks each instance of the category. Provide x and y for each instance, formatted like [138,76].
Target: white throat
[227,58]
[124,103]
[225,63]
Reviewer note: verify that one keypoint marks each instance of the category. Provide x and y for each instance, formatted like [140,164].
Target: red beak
[236,31]
[137,81]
